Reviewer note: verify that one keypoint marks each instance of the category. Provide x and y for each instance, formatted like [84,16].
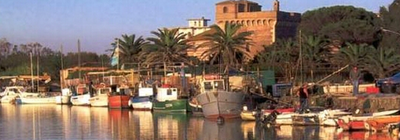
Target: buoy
[220,120]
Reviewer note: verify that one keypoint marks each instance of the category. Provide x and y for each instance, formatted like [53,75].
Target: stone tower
[266,26]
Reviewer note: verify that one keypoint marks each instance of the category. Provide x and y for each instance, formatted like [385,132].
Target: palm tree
[383,62]
[168,46]
[288,57]
[129,48]
[354,55]
[228,46]
[313,52]
[268,57]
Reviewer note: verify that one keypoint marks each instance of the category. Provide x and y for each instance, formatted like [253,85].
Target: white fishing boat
[143,100]
[326,117]
[80,100]
[216,101]
[167,100]
[82,96]
[11,93]
[37,100]
[100,99]
[330,117]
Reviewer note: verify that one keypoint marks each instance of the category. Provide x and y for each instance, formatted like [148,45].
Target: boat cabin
[13,90]
[167,94]
[213,85]
[103,91]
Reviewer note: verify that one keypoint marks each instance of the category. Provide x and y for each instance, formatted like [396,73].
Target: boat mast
[37,66]
[30,54]
[79,59]
[301,60]
[62,66]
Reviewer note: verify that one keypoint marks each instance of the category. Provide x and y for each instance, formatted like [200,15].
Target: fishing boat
[167,101]
[350,123]
[11,93]
[100,99]
[119,99]
[305,119]
[326,117]
[80,100]
[217,102]
[37,100]
[330,117]
[251,115]
[81,96]
[143,101]
[382,122]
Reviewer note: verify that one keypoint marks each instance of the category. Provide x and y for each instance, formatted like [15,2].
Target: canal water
[80,122]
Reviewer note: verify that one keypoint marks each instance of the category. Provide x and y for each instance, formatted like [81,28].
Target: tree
[5,47]
[383,62]
[228,46]
[354,55]
[343,23]
[130,47]
[314,51]
[390,20]
[168,46]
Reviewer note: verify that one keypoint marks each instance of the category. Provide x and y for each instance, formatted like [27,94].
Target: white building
[196,26]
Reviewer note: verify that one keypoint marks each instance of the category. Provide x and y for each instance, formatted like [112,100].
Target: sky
[97,22]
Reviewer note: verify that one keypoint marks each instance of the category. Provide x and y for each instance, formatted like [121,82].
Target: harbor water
[82,122]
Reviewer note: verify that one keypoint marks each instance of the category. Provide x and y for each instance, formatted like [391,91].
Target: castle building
[267,26]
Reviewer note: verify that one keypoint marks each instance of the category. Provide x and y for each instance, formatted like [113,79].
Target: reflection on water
[80,122]
[360,135]
[230,130]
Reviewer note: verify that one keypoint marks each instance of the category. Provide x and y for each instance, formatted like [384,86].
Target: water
[76,122]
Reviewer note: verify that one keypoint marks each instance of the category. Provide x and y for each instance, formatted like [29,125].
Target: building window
[225,9]
[241,8]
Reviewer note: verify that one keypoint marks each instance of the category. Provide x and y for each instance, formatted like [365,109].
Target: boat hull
[178,105]
[118,101]
[80,100]
[222,103]
[382,123]
[99,101]
[63,99]
[195,108]
[352,125]
[141,103]
[306,119]
[38,100]
[8,99]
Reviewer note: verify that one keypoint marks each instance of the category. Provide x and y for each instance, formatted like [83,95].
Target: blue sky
[97,22]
